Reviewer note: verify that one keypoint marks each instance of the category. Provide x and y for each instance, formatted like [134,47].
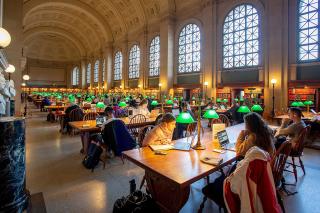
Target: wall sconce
[26,77]
[273,81]
[5,38]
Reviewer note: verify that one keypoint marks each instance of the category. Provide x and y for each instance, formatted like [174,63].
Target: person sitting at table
[236,116]
[45,102]
[109,113]
[162,133]
[143,108]
[66,118]
[178,132]
[290,131]
[256,133]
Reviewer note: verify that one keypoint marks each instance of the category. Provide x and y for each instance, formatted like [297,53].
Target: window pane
[89,73]
[134,62]
[189,49]
[75,76]
[308,39]
[118,66]
[96,72]
[241,38]
[154,57]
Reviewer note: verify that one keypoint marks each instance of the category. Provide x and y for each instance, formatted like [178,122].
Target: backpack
[51,118]
[92,159]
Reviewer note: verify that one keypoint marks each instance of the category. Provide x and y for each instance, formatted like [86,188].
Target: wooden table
[307,116]
[54,107]
[169,176]
[87,127]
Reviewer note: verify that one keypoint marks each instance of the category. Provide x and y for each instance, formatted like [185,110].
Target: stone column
[101,80]
[167,25]
[108,55]
[12,22]
[208,46]
[143,78]
[276,32]
[13,193]
[125,60]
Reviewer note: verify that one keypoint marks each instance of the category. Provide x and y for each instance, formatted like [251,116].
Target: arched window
[154,57]
[75,76]
[118,66]
[103,69]
[134,62]
[241,37]
[89,73]
[308,30]
[189,49]
[96,72]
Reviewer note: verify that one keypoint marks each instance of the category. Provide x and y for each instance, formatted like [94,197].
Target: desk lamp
[185,118]
[122,104]
[218,100]
[154,103]
[100,105]
[256,108]
[244,109]
[308,104]
[211,114]
[169,102]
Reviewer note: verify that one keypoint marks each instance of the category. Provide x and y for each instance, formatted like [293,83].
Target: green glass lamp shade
[100,105]
[122,104]
[256,108]
[211,114]
[169,102]
[301,104]
[241,99]
[164,96]
[175,99]
[308,103]
[193,98]
[225,100]
[59,97]
[295,104]
[154,103]
[243,109]
[127,98]
[89,99]
[236,99]
[93,97]
[184,118]
[218,100]
[79,95]
[152,97]
[181,98]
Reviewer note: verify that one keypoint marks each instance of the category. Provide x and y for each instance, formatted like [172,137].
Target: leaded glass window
[241,37]
[89,73]
[154,57]
[103,69]
[308,30]
[189,49]
[134,62]
[118,66]
[96,72]
[75,76]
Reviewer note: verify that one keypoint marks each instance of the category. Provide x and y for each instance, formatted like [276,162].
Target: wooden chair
[90,116]
[74,115]
[224,119]
[278,163]
[136,120]
[143,132]
[297,152]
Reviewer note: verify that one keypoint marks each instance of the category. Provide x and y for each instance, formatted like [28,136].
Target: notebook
[224,141]
[179,145]
[215,161]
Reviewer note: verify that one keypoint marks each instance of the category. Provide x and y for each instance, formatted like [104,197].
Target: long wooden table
[87,127]
[169,176]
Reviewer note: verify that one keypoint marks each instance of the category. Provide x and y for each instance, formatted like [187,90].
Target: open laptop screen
[223,137]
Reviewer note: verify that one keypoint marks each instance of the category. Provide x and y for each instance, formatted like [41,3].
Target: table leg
[168,195]
[85,136]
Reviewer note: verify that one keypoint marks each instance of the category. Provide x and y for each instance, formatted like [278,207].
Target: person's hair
[167,118]
[144,101]
[108,110]
[256,125]
[296,111]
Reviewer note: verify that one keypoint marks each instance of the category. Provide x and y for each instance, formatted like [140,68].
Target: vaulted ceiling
[71,29]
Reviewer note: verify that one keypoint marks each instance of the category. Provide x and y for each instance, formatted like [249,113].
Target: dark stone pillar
[13,194]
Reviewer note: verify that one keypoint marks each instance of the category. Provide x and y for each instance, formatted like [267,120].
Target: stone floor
[54,168]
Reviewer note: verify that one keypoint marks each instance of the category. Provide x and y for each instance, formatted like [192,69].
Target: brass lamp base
[199,147]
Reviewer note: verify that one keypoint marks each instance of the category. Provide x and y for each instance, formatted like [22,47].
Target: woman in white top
[143,108]
[162,133]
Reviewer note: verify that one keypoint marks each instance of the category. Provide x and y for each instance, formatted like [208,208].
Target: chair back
[158,119]
[90,116]
[137,119]
[278,162]
[76,115]
[143,132]
[297,149]
[224,119]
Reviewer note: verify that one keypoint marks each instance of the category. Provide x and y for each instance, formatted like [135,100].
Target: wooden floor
[54,168]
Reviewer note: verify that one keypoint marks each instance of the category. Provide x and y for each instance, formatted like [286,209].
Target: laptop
[175,112]
[183,146]
[224,141]
[100,120]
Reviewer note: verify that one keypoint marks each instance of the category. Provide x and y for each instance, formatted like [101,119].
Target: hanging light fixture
[5,38]
[10,69]
[26,77]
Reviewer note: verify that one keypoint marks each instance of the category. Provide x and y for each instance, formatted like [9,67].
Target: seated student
[143,108]
[45,102]
[66,119]
[178,133]
[109,113]
[162,133]
[257,133]
[233,112]
[291,131]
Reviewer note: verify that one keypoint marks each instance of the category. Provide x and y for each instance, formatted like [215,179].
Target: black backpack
[51,118]
[92,159]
